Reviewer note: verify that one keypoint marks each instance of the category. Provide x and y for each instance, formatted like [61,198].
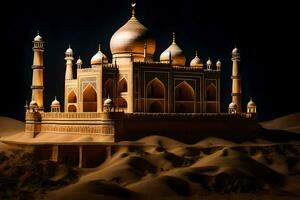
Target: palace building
[133,92]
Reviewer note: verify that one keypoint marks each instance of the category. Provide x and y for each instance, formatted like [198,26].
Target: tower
[69,64]
[37,86]
[236,80]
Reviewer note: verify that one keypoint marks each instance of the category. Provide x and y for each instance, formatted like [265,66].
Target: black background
[265,32]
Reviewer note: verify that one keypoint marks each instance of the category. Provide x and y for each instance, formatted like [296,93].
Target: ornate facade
[132,83]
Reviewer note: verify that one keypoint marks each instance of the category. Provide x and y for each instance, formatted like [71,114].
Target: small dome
[235,51]
[196,62]
[98,58]
[55,102]
[33,103]
[79,61]
[218,64]
[108,103]
[232,105]
[38,38]
[251,103]
[208,63]
[69,50]
[176,52]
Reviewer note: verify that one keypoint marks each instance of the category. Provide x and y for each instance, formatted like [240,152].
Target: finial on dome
[174,38]
[99,47]
[133,4]
[196,53]
[38,32]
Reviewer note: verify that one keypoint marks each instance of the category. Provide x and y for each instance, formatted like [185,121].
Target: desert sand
[212,169]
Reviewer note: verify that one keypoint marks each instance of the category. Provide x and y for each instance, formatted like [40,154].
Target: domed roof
[99,57]
[232,105]
[131,38]
[218,64]
[251,103]
[196,62]
[108,102]
[69,50]
[235,51]
[208,63]
[79,61]
[55,102]
[176,52]
[38,38]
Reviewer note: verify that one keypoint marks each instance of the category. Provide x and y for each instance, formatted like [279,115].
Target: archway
[72,97]
[72,108]
[184,92]
[184,98]
[155,89]
[89,99]
[156,107]
[122,104]
[211,93]
[109,88]
[122,86]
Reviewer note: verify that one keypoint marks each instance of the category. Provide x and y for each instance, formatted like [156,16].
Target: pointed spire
[133,4]
[174,38]
[99,47]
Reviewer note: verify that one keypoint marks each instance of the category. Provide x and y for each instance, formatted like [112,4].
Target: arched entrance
[184,98]
[72,97]
[72,108]
[109,88]
[122,95]
[211,98]
[155,96]
[89,99]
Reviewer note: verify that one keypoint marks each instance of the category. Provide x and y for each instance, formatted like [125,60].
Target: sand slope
[164,168]
[288,123]
[9,126]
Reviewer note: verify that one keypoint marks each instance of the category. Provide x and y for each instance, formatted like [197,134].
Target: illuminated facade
[132,86]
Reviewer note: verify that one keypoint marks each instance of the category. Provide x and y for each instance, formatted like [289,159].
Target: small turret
[55,106]
[69,64]
[208,64]
[251,107]
[218,64]
[79,63]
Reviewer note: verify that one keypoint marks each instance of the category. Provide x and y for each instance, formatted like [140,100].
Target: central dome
[132,38]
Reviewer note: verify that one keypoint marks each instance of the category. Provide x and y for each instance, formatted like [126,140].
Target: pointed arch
[155,89]
[72,98]
[122,104]
[109,88]
[184,92]
[156,107]
[211,92]
[89,99]
[72,108]
[122,86]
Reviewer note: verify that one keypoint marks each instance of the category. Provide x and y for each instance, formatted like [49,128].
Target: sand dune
[164,168]
[288,123]
[9,126]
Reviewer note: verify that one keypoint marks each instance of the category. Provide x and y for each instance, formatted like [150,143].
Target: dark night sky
[266,34]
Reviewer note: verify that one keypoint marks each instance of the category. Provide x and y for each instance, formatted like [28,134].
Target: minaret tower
[236,80]
[69,64]
[37,86]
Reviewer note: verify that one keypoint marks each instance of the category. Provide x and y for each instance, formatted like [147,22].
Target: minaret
[69,58]
[37,86]
[236,80]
